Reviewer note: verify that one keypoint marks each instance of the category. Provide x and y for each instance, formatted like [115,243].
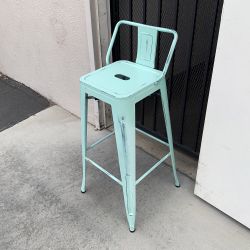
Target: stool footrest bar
[152,168]
[103,170]
[137,129]
[101,140]
[152,137]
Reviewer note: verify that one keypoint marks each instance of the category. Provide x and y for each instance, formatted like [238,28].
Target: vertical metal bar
[131,30]
[189,69]
[114,5]
[144,21]
[155,111]
[159,25]
[144,11]
[157,59]
[173,60]
[207,75]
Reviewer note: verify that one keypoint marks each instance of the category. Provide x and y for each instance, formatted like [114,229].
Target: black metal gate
[189,75]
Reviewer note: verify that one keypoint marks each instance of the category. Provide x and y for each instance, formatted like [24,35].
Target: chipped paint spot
[127,175]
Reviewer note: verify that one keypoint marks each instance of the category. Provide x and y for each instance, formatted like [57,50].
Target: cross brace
[158,163]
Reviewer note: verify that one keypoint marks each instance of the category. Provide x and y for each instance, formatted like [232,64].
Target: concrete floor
[41,206]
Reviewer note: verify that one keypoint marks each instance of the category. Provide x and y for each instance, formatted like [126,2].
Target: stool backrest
[146,47]
[147,43]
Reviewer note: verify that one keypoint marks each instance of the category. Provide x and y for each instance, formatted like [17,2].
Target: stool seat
[121,79]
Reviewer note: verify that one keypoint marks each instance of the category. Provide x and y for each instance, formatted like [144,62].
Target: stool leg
[84,114]
[124,125]
[165,106]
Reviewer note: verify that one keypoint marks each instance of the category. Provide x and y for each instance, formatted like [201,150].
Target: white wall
[223,177]
[47,45]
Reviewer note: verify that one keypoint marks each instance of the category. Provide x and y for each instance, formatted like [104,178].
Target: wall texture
[47,45]
[223,175]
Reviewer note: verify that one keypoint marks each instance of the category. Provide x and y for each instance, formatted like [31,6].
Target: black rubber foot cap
[83,191]
[131,231]
[178,186]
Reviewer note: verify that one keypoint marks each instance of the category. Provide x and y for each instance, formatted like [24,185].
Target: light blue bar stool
[122,84]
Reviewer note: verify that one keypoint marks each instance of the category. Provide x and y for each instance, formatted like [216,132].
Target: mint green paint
[101,140]
[103,170]
[84,114]
[147,41]
[139,80]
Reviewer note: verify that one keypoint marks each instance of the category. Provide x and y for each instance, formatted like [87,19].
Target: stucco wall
[47,45]
[223,175]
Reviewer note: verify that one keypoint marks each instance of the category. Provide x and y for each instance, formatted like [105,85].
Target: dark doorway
[188,79]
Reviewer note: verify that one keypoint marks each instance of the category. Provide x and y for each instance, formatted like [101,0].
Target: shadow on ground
[41,206]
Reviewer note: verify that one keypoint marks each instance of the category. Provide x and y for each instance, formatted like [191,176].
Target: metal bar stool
[122,84]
